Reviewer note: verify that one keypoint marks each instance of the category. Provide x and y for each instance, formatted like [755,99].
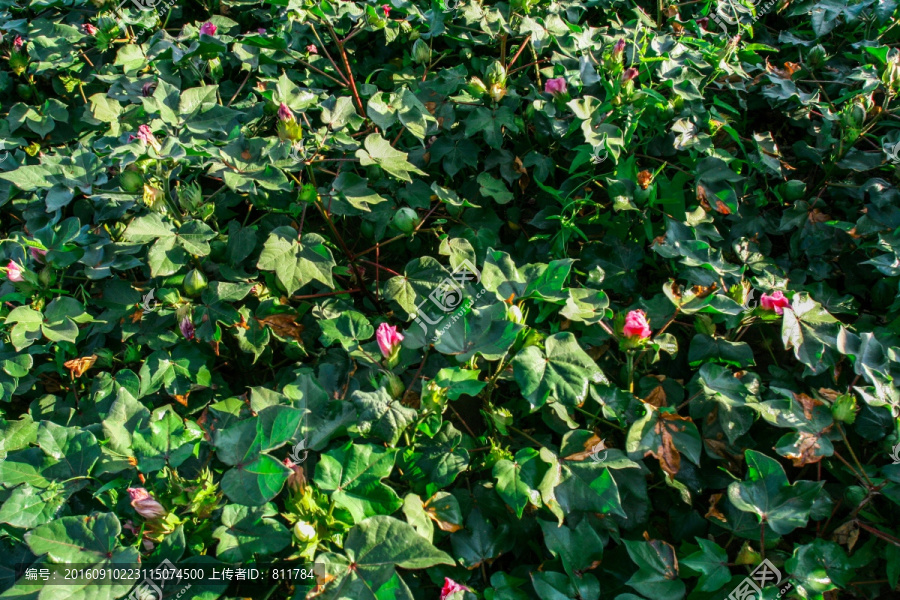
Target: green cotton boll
[844,409]
[131,181]
[194,283]
[406,220]
[308,194]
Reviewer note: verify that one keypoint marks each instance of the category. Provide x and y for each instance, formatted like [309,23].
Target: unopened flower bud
[421,53]
[145,504]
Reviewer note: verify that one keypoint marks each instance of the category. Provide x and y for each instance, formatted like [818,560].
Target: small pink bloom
[388,339]
[145,134]
[556,86]
[261,31]
[145,504]
[37,254]
[629,74]
[284,113]
[296,481]
[387,10]
[619,48]
[89,29]
[187,328]
[636,325]
[777,302]
[312,49]
[18,43]
[208,29]
[14,272]
[450,587]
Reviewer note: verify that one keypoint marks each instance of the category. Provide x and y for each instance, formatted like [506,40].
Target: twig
[338,293]
[323,73]
[516,56]
[243,83]
[325,50]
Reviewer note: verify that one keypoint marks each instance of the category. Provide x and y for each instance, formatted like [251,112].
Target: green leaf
[810,331]
[707,348]
[246,532]
[353,474]
[561,373]
[296,263]
[767,493]
[517,480]
[657,575]
[378,151]
[373,549]
[712,562]
[382,416]
[350,328]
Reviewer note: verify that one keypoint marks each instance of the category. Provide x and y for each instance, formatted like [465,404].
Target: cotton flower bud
[477,87]
[421,53]
[145,504]
[496,74]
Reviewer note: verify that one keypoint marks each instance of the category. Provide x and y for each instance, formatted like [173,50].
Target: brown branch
[338,293]
[516,56]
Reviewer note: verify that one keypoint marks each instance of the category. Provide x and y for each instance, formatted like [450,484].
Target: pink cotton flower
[557,86]
[388,339]
[208,29]
[636,325]
[261,31]
[312,49]
[145,134]
[285,113]
[187,328]
[145,504]
[37,254]
[14,272]
[89,29]
[296,480]
[450,587]
[619,48]
[629,74]
[777,302]
[387,10]
[18,43]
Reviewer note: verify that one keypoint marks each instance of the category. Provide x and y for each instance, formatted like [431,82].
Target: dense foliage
[556,299]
